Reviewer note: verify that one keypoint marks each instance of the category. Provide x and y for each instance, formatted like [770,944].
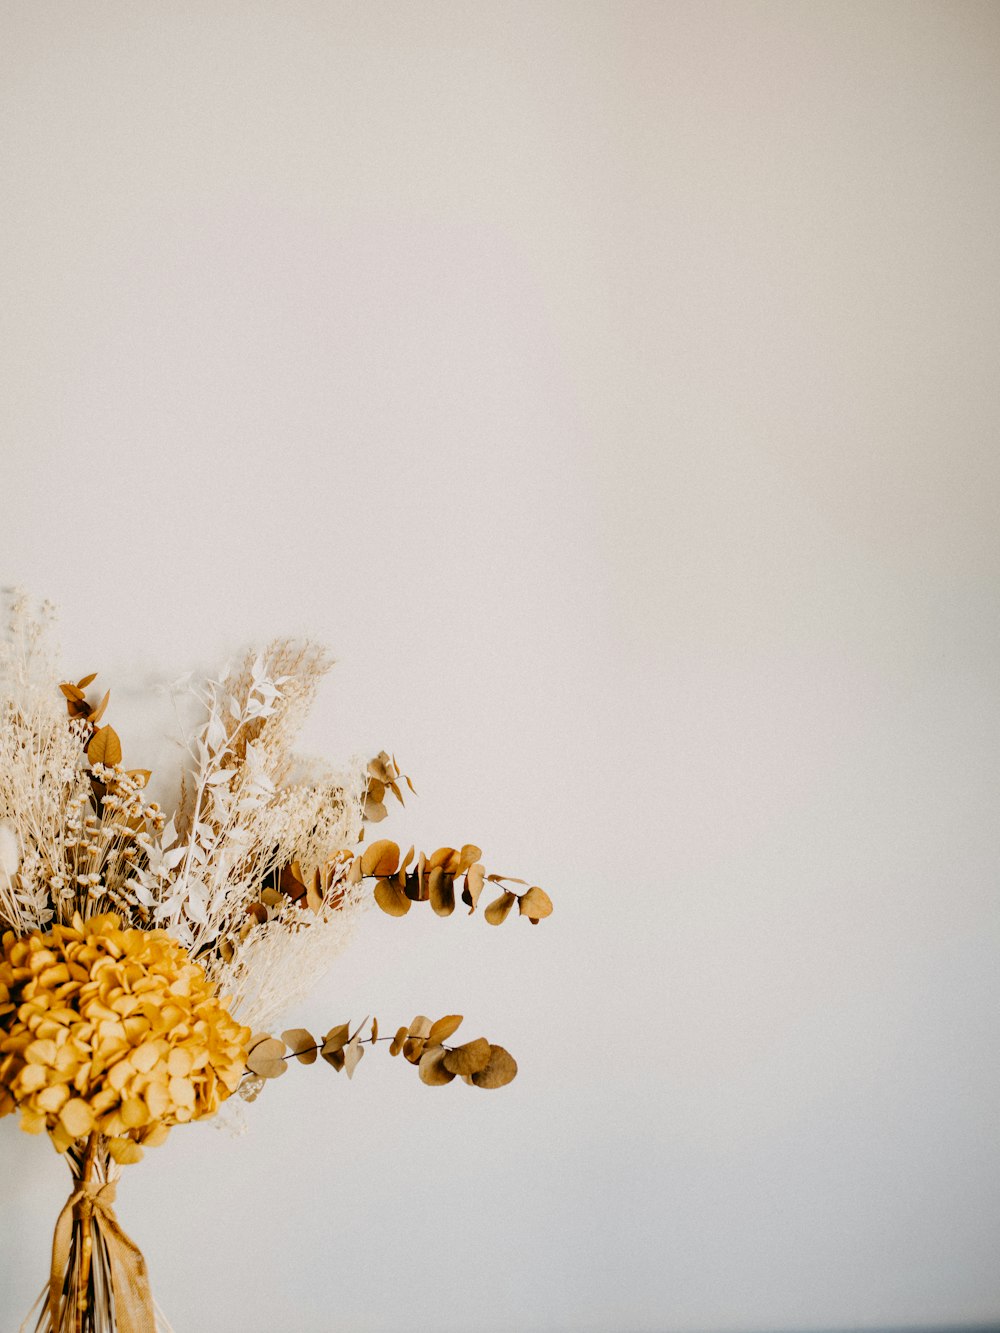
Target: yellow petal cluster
[111,1031]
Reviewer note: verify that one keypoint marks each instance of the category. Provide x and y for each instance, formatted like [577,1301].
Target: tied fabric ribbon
[129,1278]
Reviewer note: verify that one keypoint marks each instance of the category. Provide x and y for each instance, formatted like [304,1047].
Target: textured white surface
[613,387]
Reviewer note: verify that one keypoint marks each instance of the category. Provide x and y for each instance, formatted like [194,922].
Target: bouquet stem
[98,1282]
[78,1297]
[87,1228]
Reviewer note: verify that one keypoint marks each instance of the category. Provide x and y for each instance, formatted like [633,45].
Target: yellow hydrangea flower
[111,1031]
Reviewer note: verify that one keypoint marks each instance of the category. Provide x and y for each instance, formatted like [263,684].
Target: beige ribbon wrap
[133,1298]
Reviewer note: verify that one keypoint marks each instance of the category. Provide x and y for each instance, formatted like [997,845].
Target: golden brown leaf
[314,892]
[391,898]
[374,1036]
[98,712]
[396,1045]
[440,858]
[500,1071]
[421,1026]
[432,1067]
[505,879]
[382,768]
[292,882]
[87,680]
[336,1038]
[302,1044]
[535,904]
[499,908]
[297,1039]
[469,854]
[416,882]
[443,1029]
[352,1053]
[105,747]
[355,875]
[441,887]
[473,886]
[265,1058]
[472,1058]
[413,1049]
[402,867]
[269,1048]
[381,858]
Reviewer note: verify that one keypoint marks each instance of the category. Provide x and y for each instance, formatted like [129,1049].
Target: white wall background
[613,386]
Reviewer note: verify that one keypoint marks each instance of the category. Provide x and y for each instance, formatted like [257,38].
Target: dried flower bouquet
[146,960]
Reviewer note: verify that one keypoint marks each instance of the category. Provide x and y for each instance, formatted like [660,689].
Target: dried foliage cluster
[146,955]
[433,880]
[479,1063]
[260,871]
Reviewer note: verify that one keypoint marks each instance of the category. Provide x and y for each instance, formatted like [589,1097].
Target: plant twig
[86,1209]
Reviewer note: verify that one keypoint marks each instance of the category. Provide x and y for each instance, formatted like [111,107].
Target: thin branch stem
[86,1209]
